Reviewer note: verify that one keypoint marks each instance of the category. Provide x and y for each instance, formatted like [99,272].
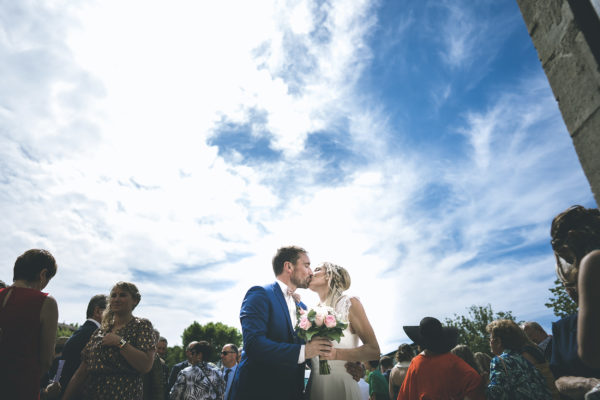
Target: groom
[272,366]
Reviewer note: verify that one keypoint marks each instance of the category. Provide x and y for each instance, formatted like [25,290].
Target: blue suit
[269,368]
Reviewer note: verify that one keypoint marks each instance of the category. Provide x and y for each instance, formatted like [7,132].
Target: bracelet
[122,343]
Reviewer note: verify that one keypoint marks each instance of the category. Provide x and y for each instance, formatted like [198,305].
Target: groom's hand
[318,346]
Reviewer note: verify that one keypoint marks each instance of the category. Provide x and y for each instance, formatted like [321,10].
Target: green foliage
[217,334]
[561,303]
[174,355]
[471,327]
[67,330]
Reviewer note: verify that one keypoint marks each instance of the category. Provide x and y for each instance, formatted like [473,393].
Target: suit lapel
[284,307]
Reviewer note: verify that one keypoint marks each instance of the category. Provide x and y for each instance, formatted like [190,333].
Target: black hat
[432,336]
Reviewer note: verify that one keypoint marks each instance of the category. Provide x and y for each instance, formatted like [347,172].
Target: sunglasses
[224,353]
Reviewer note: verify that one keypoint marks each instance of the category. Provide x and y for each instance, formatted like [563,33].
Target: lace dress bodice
[342,309]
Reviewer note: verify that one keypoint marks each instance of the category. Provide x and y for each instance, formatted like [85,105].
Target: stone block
[575,80]
[587,146]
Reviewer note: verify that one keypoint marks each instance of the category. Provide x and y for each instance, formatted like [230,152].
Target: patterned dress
[514,378]
[198,382]
[110,375]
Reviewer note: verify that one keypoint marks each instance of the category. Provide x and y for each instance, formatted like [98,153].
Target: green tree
[471,327]
[64,329]
[217,334]
[561,303]
[174,355]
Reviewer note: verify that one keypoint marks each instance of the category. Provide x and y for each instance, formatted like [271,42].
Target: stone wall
[566,34]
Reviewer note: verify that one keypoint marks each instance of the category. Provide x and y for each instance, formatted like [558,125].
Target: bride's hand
[331,356]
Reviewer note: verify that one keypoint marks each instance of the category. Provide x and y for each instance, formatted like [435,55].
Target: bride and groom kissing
[273,361]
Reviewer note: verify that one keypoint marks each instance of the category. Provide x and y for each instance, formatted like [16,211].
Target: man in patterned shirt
[200,381]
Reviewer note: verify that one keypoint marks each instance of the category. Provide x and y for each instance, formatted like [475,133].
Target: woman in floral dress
[118,353]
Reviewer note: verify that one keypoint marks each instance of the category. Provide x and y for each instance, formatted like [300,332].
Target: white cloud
[108,164]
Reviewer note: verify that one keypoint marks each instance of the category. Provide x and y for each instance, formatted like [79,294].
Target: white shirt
[364,388]
[291,303]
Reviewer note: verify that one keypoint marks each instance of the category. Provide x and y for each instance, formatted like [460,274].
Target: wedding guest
[534,354]
[28,322]
[153,382]
[511,375]
[378,386]
[403,356]
[49,388]
[538,335]
[363,386]
[161,350]
[575,358]
[72,350]
[386,365]
[229,357]
[576,243]
[179,366]
[464,352]
[483,361]
[200,381]
[117,354]
[435,372]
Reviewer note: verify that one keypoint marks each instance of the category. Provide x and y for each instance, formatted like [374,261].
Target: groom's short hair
[289,253]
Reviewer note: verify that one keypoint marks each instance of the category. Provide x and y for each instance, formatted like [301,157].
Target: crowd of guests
[116,355]
[113,355]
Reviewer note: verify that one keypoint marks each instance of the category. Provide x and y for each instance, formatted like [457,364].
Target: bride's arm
[361,326]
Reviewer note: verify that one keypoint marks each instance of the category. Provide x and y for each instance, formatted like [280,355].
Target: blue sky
[177,145]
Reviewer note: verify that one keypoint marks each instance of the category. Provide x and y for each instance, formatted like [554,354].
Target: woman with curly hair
[576,243]
[403,356]
[118,353]
[512,377]
[575,236]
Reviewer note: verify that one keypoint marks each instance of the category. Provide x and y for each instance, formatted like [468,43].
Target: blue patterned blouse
[514,378]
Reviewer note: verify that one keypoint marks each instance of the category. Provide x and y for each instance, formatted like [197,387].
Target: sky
[178,144]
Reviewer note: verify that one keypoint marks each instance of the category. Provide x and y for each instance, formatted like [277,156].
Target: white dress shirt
[291,303]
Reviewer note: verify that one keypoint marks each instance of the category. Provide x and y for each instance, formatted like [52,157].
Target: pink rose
[304,323]
[330,321]
[319,318]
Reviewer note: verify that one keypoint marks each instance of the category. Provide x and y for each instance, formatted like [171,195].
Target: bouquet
[320,321]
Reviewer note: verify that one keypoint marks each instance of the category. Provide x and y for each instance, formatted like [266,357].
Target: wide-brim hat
[431,335]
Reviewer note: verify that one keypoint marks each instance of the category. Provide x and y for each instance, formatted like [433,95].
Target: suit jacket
[72,351]
[175,371]
[229,379]
[269,367]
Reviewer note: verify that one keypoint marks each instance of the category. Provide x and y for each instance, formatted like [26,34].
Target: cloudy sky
[178,144]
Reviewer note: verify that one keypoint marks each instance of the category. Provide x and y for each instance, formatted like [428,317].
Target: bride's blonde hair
[339,282]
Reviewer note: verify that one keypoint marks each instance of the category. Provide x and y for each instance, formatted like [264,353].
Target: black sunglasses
[227,352]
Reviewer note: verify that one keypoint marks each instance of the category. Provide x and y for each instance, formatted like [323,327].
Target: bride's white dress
[339,385]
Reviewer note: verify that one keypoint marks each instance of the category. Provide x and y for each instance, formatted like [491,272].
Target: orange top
[441,376]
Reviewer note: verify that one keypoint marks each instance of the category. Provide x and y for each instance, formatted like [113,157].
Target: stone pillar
[566,34]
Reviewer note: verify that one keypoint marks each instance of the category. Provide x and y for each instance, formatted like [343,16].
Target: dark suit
[72,351]
[175,371]
[269,368]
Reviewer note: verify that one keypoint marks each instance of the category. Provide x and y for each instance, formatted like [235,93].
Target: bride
[330,281]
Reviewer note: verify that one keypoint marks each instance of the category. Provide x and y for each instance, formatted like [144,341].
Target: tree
[217,334]
[561,303]
[64,329]
[471,327]
[174,355]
